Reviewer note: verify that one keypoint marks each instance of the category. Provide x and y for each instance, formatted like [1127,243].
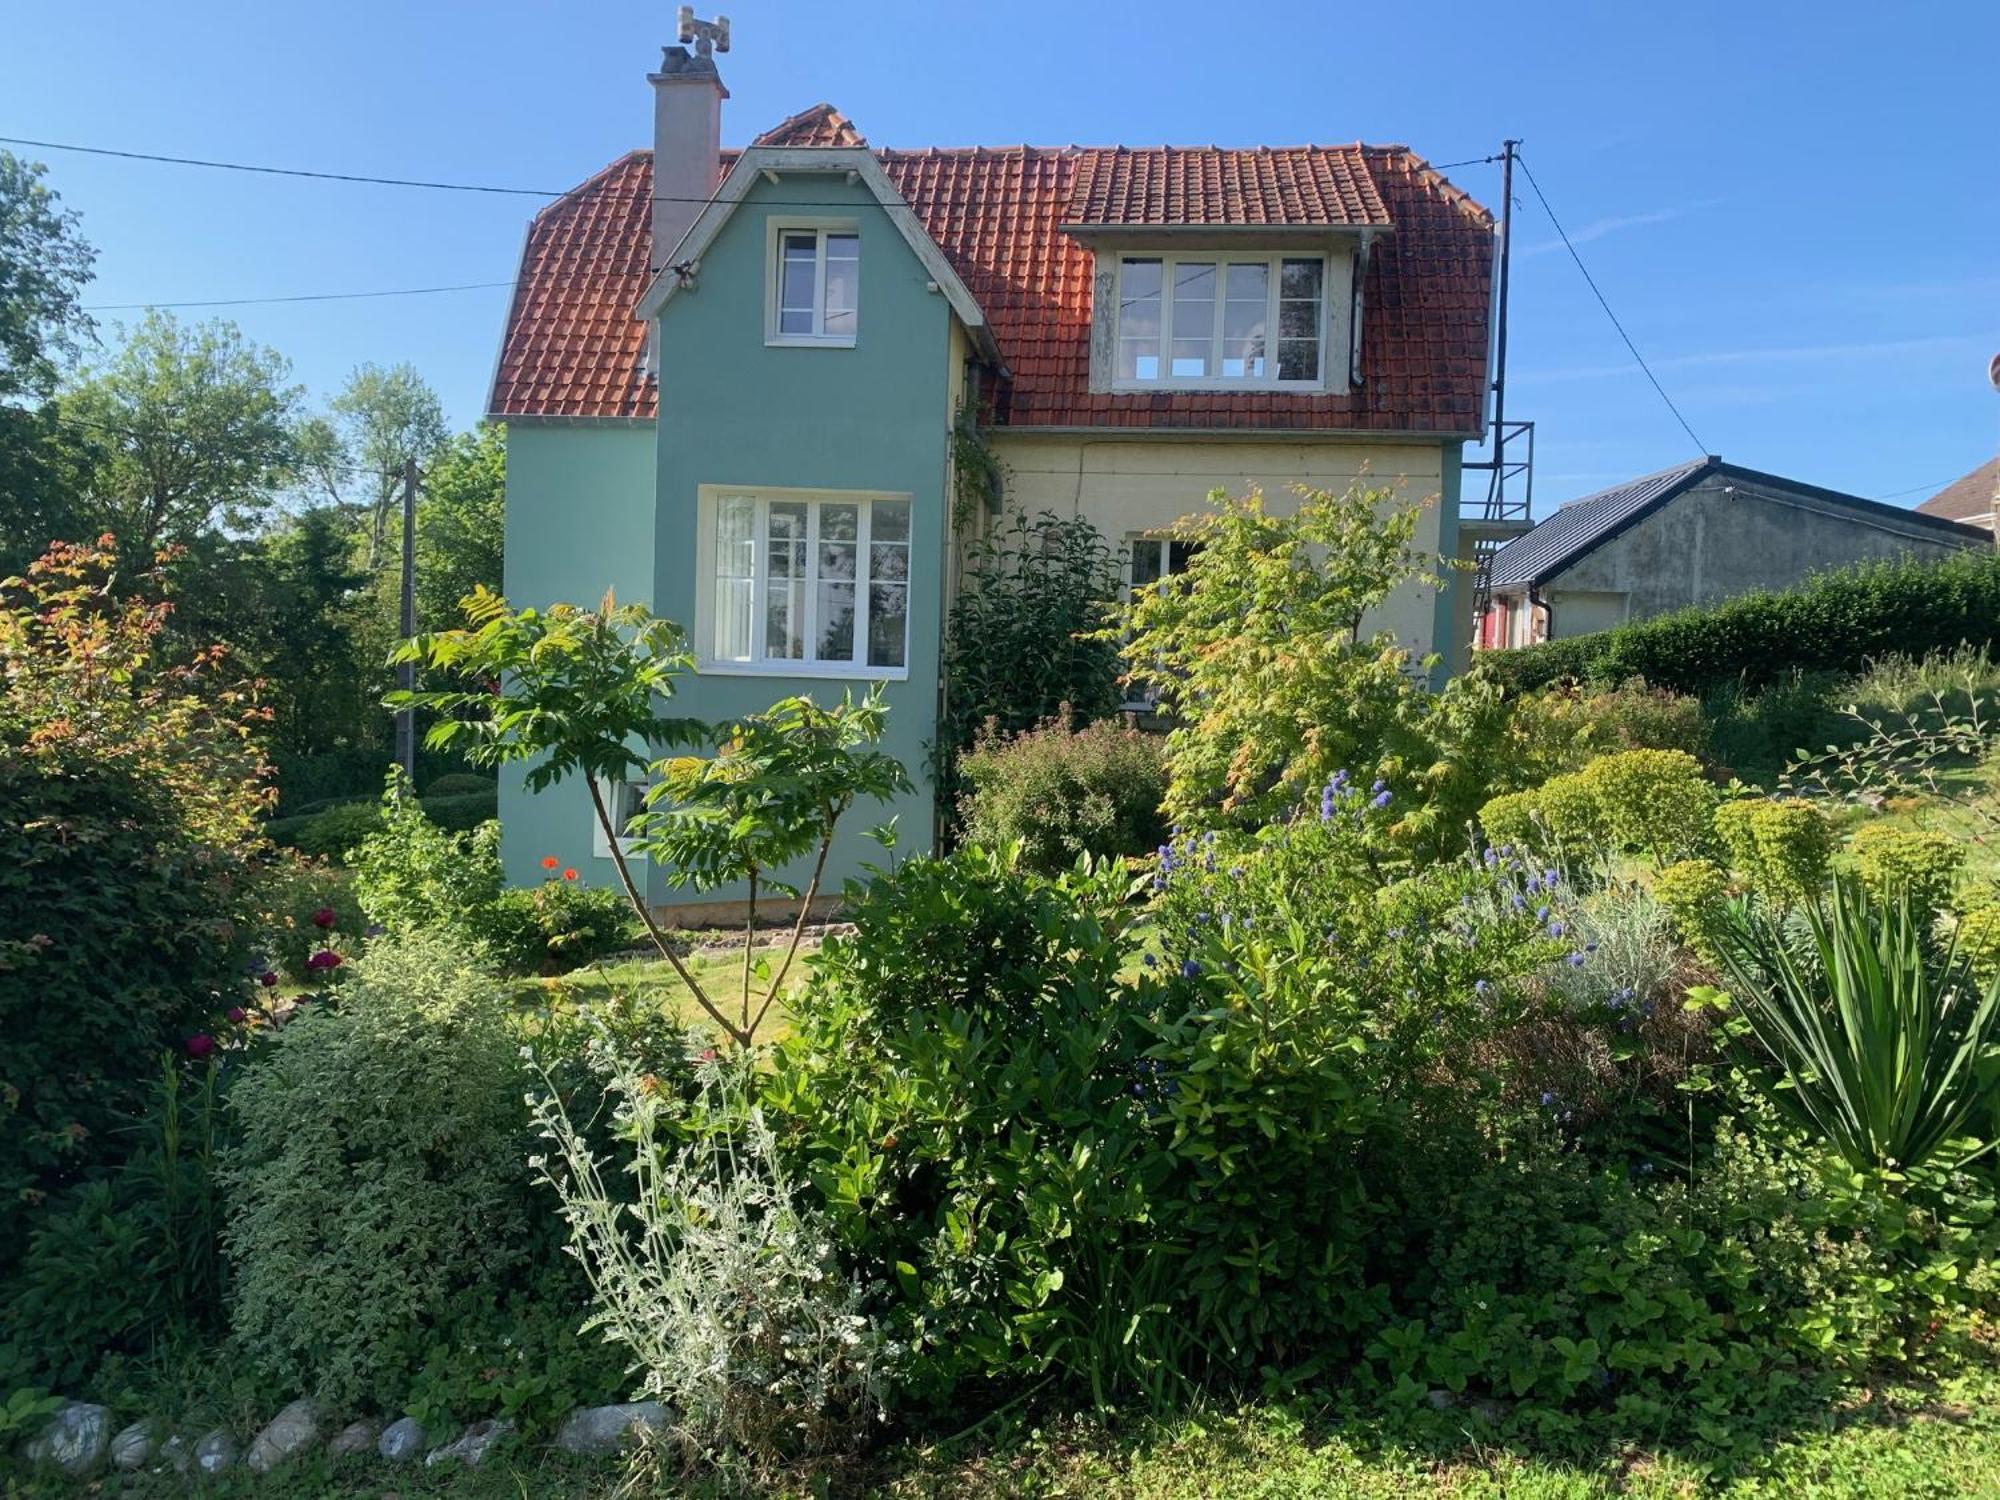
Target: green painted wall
[580,508]
[873,417]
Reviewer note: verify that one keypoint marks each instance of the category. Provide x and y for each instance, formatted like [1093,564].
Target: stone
[289,1433]
[472,1445]
[75,1440]
[355,1437]
[606,1429]
[402,1441]
[132,1447]
[174,1454]
[216,1452]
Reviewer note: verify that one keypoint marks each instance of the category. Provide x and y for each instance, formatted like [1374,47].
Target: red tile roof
[574,349]
[1182,185]
[1974,494]
[821,125]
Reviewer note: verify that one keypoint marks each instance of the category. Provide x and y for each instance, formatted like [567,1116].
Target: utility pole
[406,674]
[1496,496]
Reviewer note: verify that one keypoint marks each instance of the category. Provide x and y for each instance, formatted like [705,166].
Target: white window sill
[805,341]
[1234,387]
[831,670]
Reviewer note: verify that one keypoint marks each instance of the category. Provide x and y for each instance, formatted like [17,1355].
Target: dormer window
[1231,322]
[815,284]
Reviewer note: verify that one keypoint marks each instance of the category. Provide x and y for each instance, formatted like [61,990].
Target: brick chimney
[687,139]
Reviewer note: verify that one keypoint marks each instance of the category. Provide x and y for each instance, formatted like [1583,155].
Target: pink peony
[323,917]
[268,979]
[326,958]
[200,1044]
[238,1015]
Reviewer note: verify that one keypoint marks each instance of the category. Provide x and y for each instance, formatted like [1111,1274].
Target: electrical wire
[408,291]
[1597,292]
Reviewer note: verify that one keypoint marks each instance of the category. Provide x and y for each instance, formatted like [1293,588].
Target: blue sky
[1795,208]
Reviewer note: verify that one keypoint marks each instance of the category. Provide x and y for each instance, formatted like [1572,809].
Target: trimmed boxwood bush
[460,784]
[1836,621]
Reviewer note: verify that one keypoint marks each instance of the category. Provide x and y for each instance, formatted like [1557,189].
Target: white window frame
[1163,544]
[1274,262]
[774,281]
[710,498]
[614,793]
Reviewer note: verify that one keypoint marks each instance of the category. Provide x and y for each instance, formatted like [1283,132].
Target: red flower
[326,958]
[323,917]
[238,1015]
[549,861]
[200,1044]
[268,979]
[570,873]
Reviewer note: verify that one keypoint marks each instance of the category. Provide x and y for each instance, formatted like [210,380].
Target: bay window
[817,583]
[1223,321]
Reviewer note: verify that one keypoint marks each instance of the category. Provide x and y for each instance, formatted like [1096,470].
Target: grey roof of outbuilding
[1583,525]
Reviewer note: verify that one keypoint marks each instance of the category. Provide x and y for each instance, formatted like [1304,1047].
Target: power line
[408,291]
[1591,281]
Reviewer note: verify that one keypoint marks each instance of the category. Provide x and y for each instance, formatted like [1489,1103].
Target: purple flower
[1380,799]
[326,958]
[1575,960]
[201,1044]
[324,917]
[1548,1099]
[1480,986]
[1555,928]
[1189,969]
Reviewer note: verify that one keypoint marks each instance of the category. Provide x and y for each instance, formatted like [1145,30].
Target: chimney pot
[687,144]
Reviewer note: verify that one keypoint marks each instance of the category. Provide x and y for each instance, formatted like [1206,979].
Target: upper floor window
[810,584]
[815,284]
[1229,321]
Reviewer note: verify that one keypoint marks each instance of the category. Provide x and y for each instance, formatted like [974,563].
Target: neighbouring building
[1973,500]
[1697,534]
[734,382]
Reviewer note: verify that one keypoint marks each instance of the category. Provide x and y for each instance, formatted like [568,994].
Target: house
[732,382]
[1973,500]
[1696,534]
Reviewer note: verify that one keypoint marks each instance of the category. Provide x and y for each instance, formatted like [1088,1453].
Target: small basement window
[815,293]
[1227,322]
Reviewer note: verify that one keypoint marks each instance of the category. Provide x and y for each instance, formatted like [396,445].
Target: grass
[652,981]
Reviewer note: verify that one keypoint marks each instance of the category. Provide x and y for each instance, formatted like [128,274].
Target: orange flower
[570,873]
[549,861]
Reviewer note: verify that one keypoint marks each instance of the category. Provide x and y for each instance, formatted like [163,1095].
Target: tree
[189,427]
[383,419]
[44,265]
[1259,654]
[461,521]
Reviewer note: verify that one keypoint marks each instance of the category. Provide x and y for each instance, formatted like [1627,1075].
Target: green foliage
[378,1173]
[1508,820]
[1872,1040]
[1258,652]
[1918,863]
[1695,893]
[415,876]
[553,927]
[463,812]
[44,265]
[121,1263]
[1019,641]
[1837,621]
[1781,847]
[295,896]
[1560,728]
[1979,940]
[460,784]
[334,833]
[1654,801]
[1063,792]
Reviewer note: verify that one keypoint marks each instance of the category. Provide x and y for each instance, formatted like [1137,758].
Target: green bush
[1761,725]
[121,935]
[1063,792]
[379,1176]
[1781,847]
[1839,621]
[295,895]
[1891,860]
[1653,801]
[1979,940]
[415,876]
[333,834]
[462,813]
[460,784]
[554,927]
[1569,807]
[1561,727]
[1694,893]
[1508,820]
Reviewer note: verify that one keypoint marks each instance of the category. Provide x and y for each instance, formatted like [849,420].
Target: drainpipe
[1536,601]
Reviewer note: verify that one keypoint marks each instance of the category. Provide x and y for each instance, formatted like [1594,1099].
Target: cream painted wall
[1128,485]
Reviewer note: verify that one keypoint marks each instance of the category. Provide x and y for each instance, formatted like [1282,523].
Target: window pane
[1300,278]
[1299,311]
[1139,320]
[843,283]
[1243,339]
[1138,359]
[1249,281]
[840,523]
[888,623]
[1194,319]
[888,562]
[836,620]
[795,283]
[1298,359]
[1298,320]
[1178,554]
[1145,561]
[1140,281]
[732,619]
[735,567]
[889,521]
[785,620]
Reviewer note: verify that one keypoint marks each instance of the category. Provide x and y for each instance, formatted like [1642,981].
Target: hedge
[333,831]
[1837,621]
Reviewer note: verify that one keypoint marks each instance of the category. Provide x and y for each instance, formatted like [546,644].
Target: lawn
[652,981]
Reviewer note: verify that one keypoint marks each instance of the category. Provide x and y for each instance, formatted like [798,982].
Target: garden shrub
[333,834]
[414,875]
[306,906]
[1979,940]
[1062,792]
[553,927]
[462,813]
[1761,726]
[460,784]
[1892,860]
[1569,808]
[378,1176]
[1561,727]
[1780,847]
[1653,801]
[1508,820]
[1694,893]
[1628,937]
[1837,621]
